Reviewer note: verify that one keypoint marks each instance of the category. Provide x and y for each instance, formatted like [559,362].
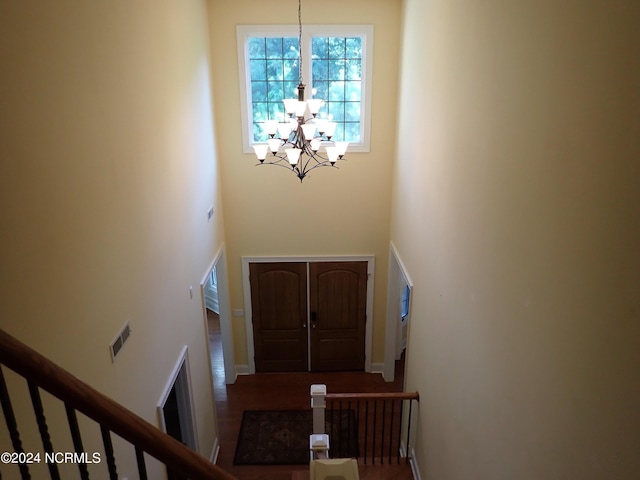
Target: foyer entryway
[309,316]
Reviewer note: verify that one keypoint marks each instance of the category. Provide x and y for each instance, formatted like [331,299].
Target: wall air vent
[118,342]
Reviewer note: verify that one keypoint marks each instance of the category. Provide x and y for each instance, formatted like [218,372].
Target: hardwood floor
[284,391]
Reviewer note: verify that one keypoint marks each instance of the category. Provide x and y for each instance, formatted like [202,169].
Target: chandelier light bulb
[271,127]
[342,148]
[332,153]
[284,130]
[274,145]
[309,130]
[330,129]
[290,105]
[293,154]
[315,144]
[321,124]
[315,104]
[301,108]
[261,151]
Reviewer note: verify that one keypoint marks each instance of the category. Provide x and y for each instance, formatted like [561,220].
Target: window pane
[259,91]
[336,111]
[274,91]
[352,132]
[291,89]
[320,47]
[258,133]
[336,91]
[353,47]
[258,69]
[320,70]
[274,70]
[352,111]
[336,47]
[276,111]
[274,48]
[256,47]
[336,70]
[338,136]
[291,70]
[353,91]
[290,47]
[322,90]
[353,69]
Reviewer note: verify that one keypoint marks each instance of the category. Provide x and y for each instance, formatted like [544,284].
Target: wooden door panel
[279,310]
[338,298]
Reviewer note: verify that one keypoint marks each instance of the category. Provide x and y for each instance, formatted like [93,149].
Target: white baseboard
[242,369]
[377,368]
[414,466]
[215,451]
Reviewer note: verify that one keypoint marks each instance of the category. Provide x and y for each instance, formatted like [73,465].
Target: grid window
[335,62]
[274,72]
[337,78]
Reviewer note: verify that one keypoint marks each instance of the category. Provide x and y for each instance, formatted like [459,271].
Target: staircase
[91,422]
[107,416]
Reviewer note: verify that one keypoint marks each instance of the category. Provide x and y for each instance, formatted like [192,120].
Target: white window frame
[244,32]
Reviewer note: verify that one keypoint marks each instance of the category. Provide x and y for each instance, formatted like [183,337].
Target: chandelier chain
[300,40]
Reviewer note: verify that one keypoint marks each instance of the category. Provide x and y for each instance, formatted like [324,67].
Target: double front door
[308,316]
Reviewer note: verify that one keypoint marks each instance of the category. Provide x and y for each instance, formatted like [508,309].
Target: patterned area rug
[281,437]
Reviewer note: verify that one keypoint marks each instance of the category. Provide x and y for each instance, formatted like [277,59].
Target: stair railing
[77,396]
[368,426]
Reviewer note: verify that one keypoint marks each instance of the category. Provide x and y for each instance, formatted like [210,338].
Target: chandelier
[305,138]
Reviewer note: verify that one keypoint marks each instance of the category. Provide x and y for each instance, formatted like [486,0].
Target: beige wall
[333,212]
[515,210]
[108,170]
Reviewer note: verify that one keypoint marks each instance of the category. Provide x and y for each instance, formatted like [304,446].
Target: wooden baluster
[12,425]
[375,417]
[142,469]
[36,400]
[340,417]
[348,448]
[358,428]
[400,428]
[108,450]
[331,436]
[384,421]
[77,440]
[366,429]
[393,402]
[408,430]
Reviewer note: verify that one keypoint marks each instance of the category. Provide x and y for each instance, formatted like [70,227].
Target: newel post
[319,440]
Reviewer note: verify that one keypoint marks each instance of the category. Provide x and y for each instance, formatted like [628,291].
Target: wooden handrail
[77,394]
[374,396]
